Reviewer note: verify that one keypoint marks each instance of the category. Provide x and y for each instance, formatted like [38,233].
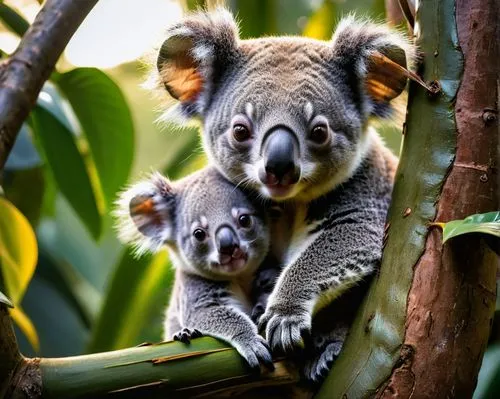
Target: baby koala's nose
[226,240]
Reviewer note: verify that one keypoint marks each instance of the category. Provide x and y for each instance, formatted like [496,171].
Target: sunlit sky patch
[115,31]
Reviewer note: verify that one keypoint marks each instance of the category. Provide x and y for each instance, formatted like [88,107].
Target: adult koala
[289,118]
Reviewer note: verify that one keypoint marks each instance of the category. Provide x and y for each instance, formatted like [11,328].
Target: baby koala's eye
[245,221]
[241,133]
[199,235]
[319,134]
[241,129]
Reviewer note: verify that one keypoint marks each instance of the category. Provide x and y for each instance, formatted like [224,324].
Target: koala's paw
[187,334]
[286,331]
[317,367]
[255,351]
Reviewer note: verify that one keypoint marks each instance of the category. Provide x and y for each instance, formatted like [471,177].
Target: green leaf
[24,154]
[487,223]
[68,167]
[71,285]
[26,326]
[25,189]
[488,382]
[106,122]
[13,20]
[18,251]
[138,291]
[5,300]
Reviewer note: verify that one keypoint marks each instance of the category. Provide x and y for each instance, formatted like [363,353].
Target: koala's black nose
[281,158]
[226,240]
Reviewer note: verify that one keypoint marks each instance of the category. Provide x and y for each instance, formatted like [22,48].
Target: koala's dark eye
[319,134]
[245,221]
[241,132]
[200,235]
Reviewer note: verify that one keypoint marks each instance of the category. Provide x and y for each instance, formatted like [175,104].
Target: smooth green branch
[205,365]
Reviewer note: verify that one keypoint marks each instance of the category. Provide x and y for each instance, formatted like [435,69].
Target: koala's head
[211,227]
[287,116]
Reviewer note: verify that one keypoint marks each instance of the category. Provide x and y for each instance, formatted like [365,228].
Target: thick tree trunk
[425,323]
[452,298]
[23,74]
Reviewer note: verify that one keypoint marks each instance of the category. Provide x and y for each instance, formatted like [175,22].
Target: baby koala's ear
[379,58]
[194,54]
[145,214]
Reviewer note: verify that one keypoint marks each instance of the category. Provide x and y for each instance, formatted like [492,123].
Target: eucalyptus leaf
[13,20]
[24,155]
[18,251]
[487,223]
[105,118]
[26,326]
[68,167]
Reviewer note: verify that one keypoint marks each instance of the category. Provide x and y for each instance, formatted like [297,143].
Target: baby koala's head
[210,227]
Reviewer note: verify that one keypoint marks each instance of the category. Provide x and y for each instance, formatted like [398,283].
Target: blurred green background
[94,129]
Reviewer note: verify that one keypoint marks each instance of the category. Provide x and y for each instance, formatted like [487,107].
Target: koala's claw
[317,368]
[186,335]
[285,332]
[256,352]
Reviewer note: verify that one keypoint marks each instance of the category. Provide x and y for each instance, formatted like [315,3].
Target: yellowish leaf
[18,251]
[26,326]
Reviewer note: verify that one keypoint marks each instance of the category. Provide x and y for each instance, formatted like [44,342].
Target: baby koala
[218,239]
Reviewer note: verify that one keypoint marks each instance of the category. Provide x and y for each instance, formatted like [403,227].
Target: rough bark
[9,353]
[452,298]
[23,74]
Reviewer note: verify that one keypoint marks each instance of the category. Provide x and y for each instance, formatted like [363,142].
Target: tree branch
[9,353]
[23,74]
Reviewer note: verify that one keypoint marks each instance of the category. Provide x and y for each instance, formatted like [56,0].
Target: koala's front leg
[208,308]
[340,256]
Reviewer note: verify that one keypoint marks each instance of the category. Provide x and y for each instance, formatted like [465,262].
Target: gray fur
[338,207]
[208,297]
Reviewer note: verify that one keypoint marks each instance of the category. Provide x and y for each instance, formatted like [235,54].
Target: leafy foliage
[106,122]
[18,256]
[486,223]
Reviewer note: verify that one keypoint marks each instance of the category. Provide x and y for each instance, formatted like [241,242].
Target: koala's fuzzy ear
[379,56]
[194,54]
[144,214]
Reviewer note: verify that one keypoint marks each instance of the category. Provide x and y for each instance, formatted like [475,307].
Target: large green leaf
[18,251]
[106,122]
[487,223]
[13,20]
[68,167]
[137,292]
